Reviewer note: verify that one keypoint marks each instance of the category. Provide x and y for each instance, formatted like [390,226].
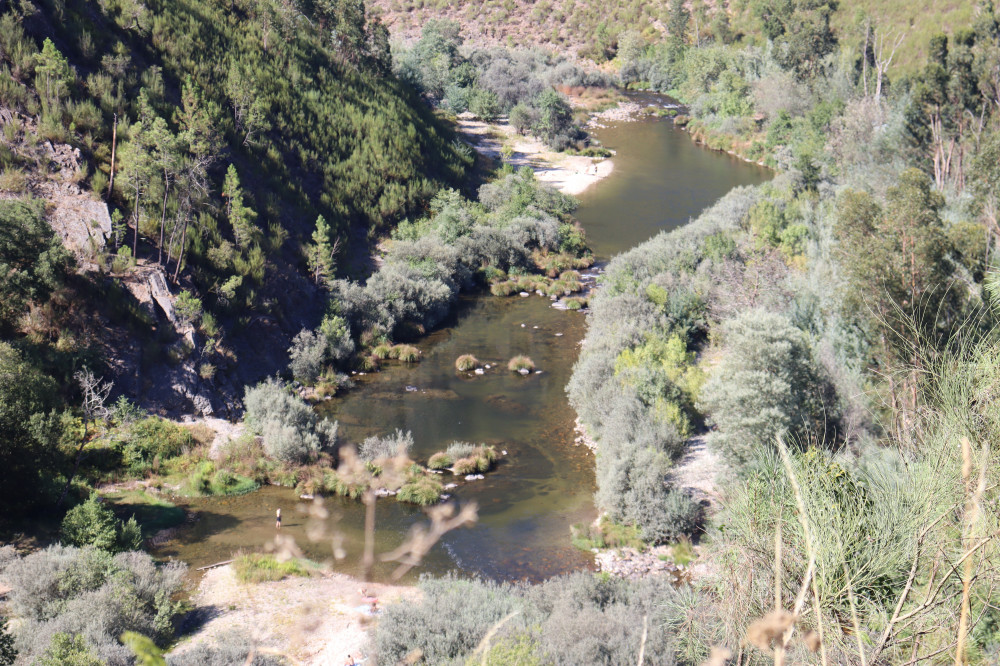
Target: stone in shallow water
[480,371]
[474,477]
[524,371]
[524,294]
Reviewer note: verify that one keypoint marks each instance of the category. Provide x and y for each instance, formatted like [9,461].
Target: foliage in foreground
[63,592]
[575,619]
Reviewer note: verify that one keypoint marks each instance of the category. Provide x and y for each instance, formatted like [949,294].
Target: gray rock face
[82,223]
[160,293]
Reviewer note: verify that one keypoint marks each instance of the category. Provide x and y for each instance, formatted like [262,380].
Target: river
[545,482]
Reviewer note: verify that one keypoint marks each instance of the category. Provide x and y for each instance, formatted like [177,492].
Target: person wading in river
[277,523]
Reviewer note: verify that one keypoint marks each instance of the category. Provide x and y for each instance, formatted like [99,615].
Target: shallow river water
[545,483]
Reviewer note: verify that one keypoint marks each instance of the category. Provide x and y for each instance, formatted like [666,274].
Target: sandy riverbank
[570,174]
[313,621]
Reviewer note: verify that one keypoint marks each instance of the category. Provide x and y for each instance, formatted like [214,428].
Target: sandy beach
[570,174]
[310,621]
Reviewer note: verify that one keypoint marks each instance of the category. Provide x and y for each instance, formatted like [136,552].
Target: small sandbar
[570,174]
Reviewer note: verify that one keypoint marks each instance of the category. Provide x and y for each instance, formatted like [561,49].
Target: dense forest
[830,335]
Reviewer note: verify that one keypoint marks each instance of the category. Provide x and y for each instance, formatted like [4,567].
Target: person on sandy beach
[277,524]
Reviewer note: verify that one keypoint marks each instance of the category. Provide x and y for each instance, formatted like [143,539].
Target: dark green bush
[93,524]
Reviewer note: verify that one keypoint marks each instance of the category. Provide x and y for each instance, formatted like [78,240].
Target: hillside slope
[218,133]
[591,28]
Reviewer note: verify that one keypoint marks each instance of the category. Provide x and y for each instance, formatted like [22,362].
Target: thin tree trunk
[163,216]
[135,218]
[114,142]
[180,253]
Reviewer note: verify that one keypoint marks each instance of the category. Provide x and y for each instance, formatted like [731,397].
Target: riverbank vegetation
[517,228]
[489,83]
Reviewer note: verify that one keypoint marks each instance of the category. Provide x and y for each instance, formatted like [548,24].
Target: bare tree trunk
[114,142]
[163,215]
[180,253]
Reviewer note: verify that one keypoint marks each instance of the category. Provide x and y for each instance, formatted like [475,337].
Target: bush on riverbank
[290,429]
[88,593]
[517,225]
[566,621]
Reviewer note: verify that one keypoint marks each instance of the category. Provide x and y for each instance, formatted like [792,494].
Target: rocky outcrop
[82,222]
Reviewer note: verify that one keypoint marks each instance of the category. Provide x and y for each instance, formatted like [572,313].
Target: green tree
[188,308]
[93,524]
[555,118]
[677,29]
[800,29]
[29,452]
[766,385]
[33,261]
[53,72]
[896,260]
[69,650]
[164,150]
[240,215]
[136,170]
[321,253]
[7,651]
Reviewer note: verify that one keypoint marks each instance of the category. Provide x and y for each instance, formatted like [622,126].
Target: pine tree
[321,253]
[240,216]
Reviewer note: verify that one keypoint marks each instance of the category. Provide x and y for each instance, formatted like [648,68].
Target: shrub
[440,460]
[226,483]
[151,438]
[519,363]
[466,363]
[423,490]
[766,384]
[465,466]
[406,353]
[233,647]
[258,568]
[93,524]
[290,428]
[447,624]
[67,650]
[93,594]
[382,448]
[458,450]
[307,353]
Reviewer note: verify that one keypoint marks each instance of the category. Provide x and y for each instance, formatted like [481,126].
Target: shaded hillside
[218,133]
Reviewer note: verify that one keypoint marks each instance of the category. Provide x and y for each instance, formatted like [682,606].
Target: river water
[545,482]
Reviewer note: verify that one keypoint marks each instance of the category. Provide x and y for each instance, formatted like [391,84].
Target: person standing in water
[277,524]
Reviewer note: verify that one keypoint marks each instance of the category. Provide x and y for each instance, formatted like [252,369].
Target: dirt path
[315,621]
[696,471]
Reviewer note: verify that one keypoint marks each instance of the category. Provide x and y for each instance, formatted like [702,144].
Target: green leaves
[33,261]
[92,524]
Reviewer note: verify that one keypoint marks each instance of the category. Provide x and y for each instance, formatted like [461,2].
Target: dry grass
[519,363]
